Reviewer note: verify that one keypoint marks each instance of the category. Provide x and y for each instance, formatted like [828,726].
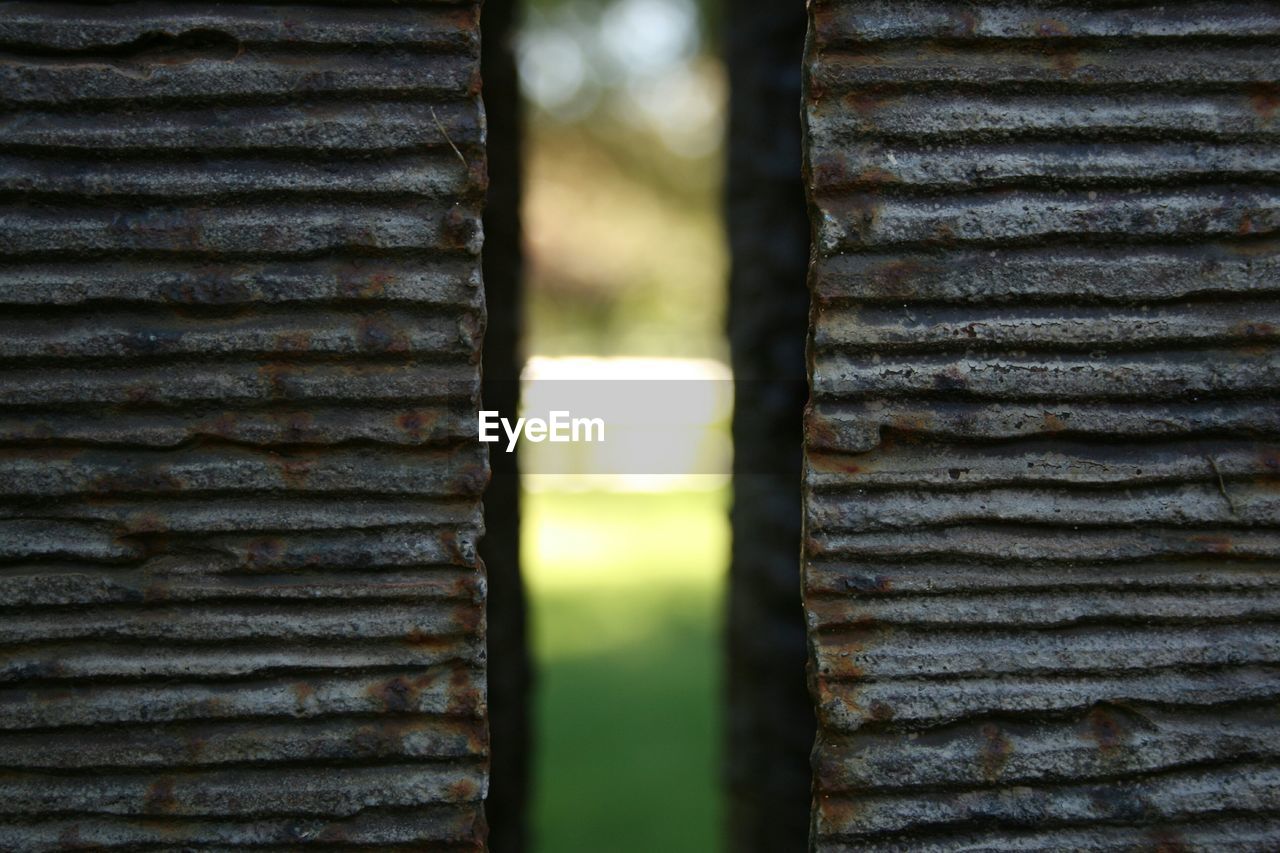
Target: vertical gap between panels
[625,542]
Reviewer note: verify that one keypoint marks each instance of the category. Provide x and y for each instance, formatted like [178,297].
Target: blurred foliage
[623,257]
[710,14]
[622,204]
[627,591]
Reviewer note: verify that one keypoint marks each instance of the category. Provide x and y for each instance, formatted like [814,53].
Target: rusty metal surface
[1043,449]
[240,602]
[770,723]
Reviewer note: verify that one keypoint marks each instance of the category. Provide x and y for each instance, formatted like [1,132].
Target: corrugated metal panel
[239,492]
[1042,503]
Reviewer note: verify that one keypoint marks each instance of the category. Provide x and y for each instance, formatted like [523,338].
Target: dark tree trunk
[510,674]
[771,724]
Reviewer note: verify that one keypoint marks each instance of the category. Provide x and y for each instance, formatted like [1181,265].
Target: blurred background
[626,277]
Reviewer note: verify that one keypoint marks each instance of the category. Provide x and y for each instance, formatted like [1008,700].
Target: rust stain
[864,103]
[819,431]
[994,753]
[880,711]
[1264,99]
[416,424]
[1167,840]
[1055,421]
[159,798]
[1051,28]
[264,551]
[1253,329]
[377,334]
[396,695]
[907,423]
[293,342]
[875,177]
[1107,730]
[296,472]
[1215,544]
[462,790]
[465,698]
[303,692]
[830,463]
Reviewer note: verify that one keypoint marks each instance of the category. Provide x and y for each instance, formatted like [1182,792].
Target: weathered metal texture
[1043,449]
[770,719]
[239,488]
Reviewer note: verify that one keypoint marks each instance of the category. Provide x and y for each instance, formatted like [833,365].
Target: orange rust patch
[831,172]
[276,375]
[420,638]
[469,619]
[296,425]
[477,740]
[264,551]
[876,177]
[148,522]
[1253,329]
[462,790]
[415,424]
[1167,841]
[223,425]
[293,341]
[1065,59]
[881,711]
[449,539]
[471,478]
[1051,28]
[994,752]
[376,283]
[464,697]
[840,811]
[296,472]
[819,431]
[156,592]
[1215,544]
[830,463]
[902,422]
[195,747]
[159,798]
[396,694]
[1106,730]
[458,228]
[894,279]
[1265,100]
[863,103]
[1054,422]
[378,334]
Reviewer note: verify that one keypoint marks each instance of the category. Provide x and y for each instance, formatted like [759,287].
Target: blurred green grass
[626,593]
